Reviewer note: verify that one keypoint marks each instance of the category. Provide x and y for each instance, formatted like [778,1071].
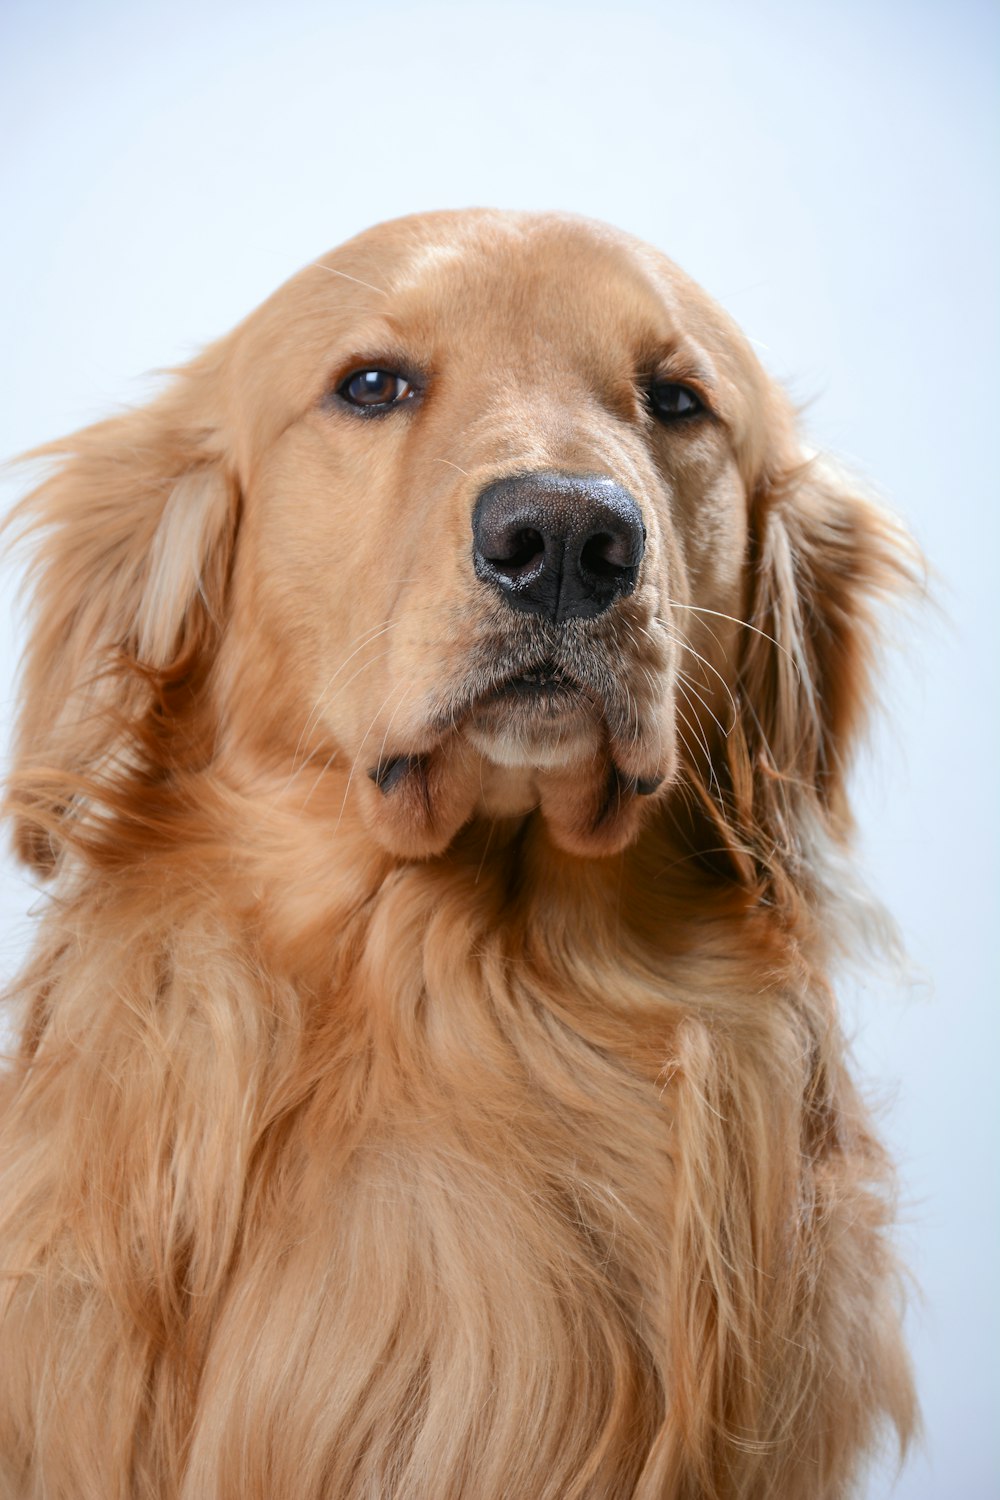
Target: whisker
[700,609]
[697,732]
[704,702]
[385,737]
[689,753]
[679,641]
[404,684]
[369,636]
[489,837]
[296,771]
[711,632]
[332,271]
[654,698]
[360,641]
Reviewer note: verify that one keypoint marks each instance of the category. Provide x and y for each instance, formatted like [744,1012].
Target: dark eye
[670,401]
[376,388]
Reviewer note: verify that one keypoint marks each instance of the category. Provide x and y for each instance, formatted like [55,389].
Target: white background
[827,172]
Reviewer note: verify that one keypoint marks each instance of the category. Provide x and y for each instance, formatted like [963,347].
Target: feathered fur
[498,1143]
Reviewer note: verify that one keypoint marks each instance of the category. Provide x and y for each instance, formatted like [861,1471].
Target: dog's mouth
[546,680]
[536,710]
[576,723]
[545,691]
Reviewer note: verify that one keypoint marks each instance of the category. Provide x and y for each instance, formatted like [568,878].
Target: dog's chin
[536,744]
[534,723]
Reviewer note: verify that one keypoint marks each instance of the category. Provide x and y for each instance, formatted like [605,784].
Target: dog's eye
[376,388]
[670,401]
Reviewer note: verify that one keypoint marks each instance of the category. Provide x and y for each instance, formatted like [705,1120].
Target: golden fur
[492,1137]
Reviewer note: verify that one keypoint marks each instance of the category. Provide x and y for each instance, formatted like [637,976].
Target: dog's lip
[538,687]
[546,679]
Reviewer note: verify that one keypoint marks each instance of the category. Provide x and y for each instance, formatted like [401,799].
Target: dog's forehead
[555,274]
[480,289]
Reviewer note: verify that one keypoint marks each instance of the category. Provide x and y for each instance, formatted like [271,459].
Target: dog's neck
[317,891]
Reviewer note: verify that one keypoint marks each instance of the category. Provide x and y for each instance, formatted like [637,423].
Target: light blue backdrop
[828,172]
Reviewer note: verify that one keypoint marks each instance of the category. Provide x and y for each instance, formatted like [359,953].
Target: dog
[434,732]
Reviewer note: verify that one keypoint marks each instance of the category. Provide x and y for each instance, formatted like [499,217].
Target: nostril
[606,556]
[523,549]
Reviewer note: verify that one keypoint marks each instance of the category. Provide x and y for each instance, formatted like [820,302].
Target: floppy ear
[824,560]
[132,534]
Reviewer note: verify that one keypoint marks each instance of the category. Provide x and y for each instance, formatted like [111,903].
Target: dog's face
[480,514]
[490,464]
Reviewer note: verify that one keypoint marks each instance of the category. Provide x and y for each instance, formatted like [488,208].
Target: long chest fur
[504,1211]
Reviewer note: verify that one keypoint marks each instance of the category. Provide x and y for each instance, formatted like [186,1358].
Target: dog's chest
[469,1231]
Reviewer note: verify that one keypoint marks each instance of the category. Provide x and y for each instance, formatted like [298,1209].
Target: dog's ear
[132,534]
[824,560]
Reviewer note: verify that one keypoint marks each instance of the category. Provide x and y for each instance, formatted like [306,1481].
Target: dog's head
[481,513]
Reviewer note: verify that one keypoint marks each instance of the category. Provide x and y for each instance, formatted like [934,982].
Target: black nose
[565,546]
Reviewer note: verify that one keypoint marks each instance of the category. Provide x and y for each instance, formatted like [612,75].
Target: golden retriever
[430,1087]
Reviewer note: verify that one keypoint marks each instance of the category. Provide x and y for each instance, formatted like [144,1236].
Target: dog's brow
[681,359]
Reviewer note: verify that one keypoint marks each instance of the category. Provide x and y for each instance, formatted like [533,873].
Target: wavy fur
[472,1149]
